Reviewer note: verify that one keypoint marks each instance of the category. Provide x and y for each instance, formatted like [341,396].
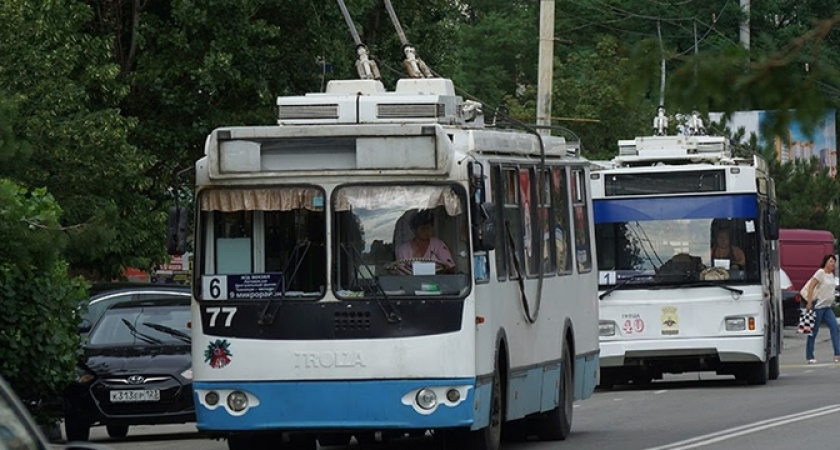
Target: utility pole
[546,66]
[744,30]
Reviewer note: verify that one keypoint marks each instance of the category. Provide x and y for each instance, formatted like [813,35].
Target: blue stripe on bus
[351,405]
[740,206]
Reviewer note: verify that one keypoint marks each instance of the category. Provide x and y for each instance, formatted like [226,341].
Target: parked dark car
[18,429]
[105,296]
[136,370]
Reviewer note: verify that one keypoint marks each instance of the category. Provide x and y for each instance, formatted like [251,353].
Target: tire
[117,431]
[609,378]
[774,368]
[641,379]
[556,424]
[489,437]
[76,429]
[517,430]
[756,374]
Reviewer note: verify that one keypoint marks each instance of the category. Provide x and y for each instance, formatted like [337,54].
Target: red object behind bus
[802,251]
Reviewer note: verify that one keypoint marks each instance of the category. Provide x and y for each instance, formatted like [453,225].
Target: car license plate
[138,395]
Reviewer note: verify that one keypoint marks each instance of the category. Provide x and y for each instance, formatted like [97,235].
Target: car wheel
[117,431]
[76,429]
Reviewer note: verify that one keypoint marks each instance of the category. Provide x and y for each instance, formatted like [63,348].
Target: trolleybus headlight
[211,398]
[453,395]
[426,399]
[736,324]
[237,401]
[606,328]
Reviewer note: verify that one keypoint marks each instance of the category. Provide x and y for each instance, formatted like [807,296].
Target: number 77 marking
[214,312]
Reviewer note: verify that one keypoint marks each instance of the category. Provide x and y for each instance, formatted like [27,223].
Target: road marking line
[711,438]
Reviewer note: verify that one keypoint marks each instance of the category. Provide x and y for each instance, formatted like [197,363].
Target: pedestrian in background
[821,297]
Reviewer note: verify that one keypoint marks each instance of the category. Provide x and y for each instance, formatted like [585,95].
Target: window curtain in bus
[271,199]
[405,197]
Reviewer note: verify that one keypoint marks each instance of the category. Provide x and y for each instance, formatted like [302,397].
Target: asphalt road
[686,411]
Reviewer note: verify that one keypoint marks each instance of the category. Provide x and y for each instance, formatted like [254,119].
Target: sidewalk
[793,350]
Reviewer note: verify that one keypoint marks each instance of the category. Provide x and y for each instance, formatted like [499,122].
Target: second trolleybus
[688,260]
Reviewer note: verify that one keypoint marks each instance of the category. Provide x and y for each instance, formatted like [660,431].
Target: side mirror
[176,231]
[85,326]
[771,224]
[487,220]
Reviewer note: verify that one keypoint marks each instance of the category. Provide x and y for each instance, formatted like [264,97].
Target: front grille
[351,321]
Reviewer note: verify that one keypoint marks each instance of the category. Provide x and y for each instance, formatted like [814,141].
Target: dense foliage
[41,305]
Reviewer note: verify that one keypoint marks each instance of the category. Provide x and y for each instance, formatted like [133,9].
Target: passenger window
[561,233]
[581,214]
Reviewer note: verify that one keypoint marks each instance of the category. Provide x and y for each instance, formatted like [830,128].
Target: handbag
[806,321]
[803,293]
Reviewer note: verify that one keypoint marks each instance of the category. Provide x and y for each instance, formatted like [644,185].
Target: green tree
[497,50]
[806,195]
[41,304]
[67,92]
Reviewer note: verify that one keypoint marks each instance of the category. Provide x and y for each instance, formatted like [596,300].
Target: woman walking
[820,298]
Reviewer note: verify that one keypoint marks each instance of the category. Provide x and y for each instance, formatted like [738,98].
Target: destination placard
[252,286]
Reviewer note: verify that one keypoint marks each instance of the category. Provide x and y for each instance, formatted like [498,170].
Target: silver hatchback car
[19,430]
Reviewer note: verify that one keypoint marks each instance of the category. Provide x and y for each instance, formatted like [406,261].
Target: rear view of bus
[688,261]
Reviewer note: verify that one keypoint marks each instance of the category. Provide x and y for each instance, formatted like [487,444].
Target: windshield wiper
[145,337]
[303,247]
[171,331]
[712,283]
[384,302]
[623,283]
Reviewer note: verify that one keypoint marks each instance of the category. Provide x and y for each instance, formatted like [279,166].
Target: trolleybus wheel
[756,374]
[556,424]
[489,437]
[609,378]
[774,368]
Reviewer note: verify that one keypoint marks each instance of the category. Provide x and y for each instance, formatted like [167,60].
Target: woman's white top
[824,291]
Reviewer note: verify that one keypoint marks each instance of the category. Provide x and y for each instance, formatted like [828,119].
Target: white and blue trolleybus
[381,264]
[687,260]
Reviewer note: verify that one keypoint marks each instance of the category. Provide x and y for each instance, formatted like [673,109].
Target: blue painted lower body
[385,404]
[537,389]
[334,405]
[586,375]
